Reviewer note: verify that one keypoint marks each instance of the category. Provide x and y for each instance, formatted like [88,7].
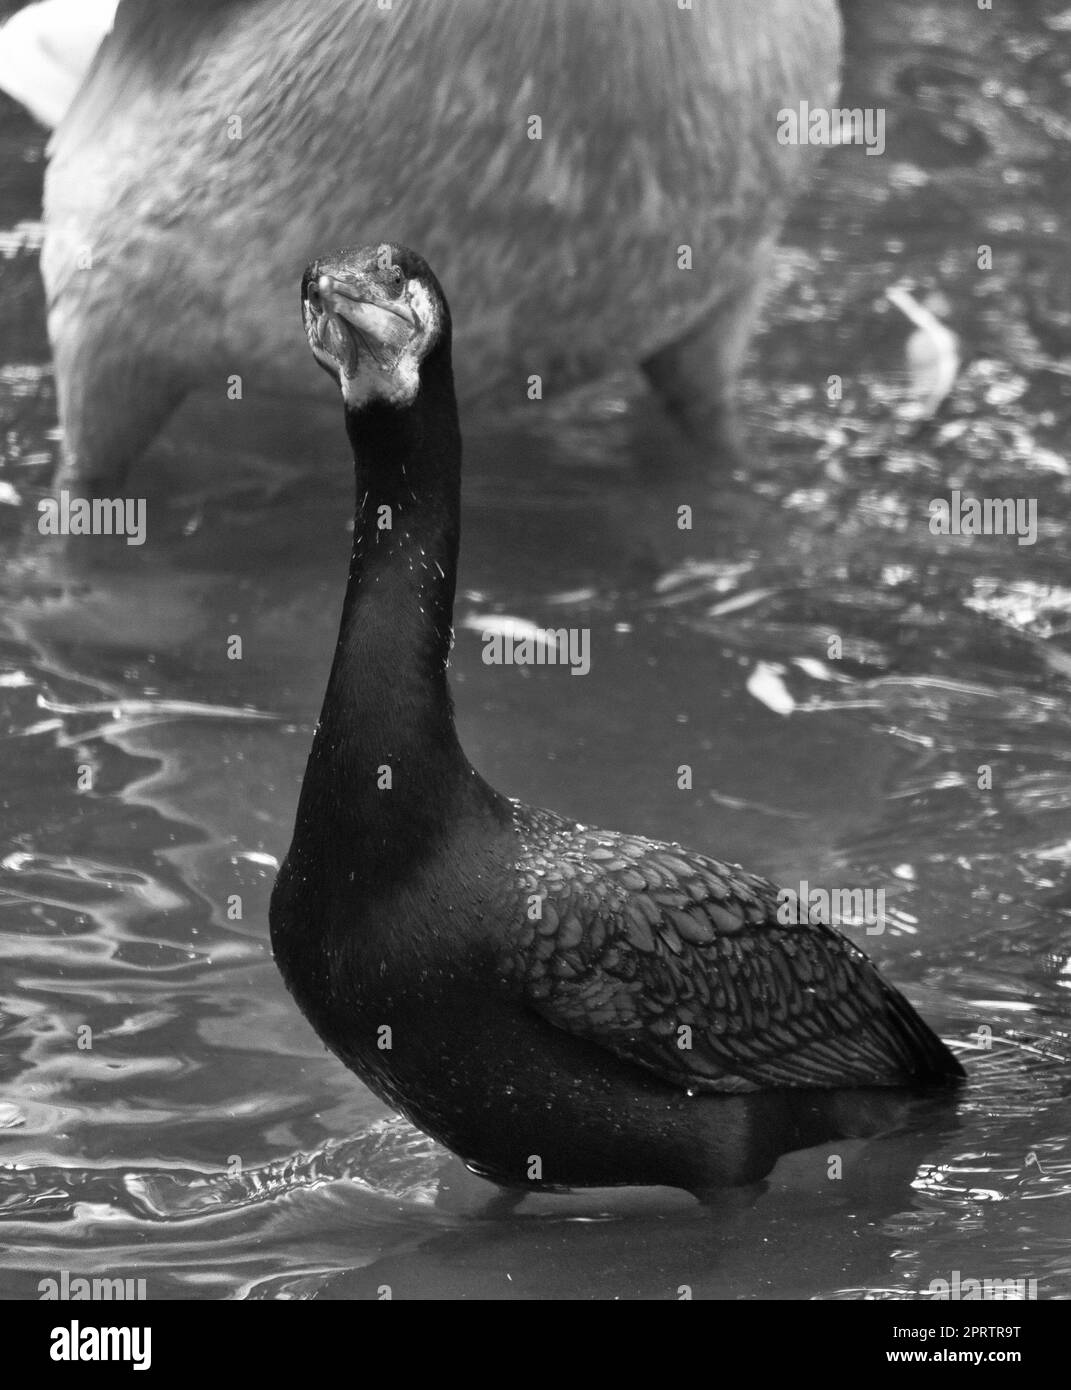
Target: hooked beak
[349,317]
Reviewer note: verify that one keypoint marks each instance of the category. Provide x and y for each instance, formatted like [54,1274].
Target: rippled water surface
[205,1141]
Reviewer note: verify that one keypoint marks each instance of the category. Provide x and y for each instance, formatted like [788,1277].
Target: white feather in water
[766,685]
[932,353]
[516,629]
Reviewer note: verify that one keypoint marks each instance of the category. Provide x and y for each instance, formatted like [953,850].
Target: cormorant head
[373,314]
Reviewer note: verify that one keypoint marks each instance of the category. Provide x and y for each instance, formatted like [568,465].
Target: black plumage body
[561,1006]
[556,1038]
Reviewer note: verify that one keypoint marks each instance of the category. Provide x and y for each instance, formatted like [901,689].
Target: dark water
[205,1141]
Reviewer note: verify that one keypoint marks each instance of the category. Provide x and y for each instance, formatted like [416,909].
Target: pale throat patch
[395,379]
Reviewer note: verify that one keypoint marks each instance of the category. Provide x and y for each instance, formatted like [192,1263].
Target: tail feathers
[46,49]
[925,1059]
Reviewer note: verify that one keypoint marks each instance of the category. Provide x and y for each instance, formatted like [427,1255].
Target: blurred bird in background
[602,179]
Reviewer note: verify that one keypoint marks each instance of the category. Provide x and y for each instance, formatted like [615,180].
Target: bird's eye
[314,298]
[396,275]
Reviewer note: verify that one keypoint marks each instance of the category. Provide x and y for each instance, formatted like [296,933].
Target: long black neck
[386,769]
